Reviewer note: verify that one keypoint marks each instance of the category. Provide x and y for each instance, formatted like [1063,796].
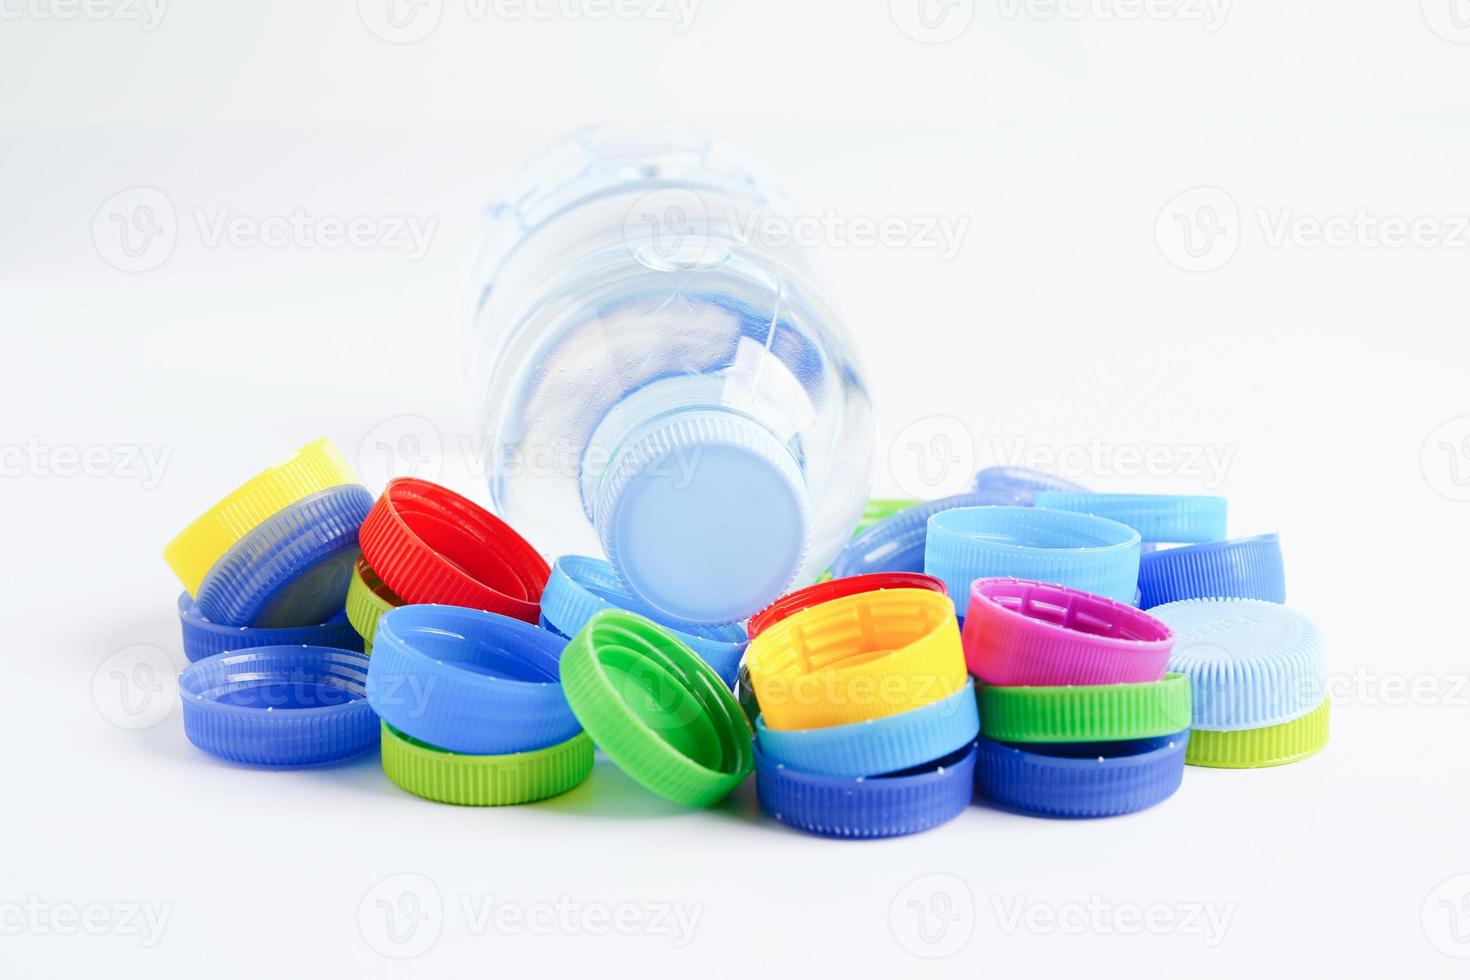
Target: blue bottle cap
[205,639]
[294,568]
[867,807]
[581,587]
[705,516]
[1250,663]
[896,543]
[279,706]
[1080,551]
[1019,484]
[878,745]
[469,681]
[1081,779]
[1157,517]
[1240,568]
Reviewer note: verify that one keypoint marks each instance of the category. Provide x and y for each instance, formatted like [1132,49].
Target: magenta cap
[1019,632]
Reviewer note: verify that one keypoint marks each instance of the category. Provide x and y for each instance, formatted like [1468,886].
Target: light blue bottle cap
[704,515]
[1080,551]
[1157,517]
[1250,663]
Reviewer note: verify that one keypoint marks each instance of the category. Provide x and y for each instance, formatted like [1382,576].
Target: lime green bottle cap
[484,780]
[1085,713]
[660,712]
[1257,748]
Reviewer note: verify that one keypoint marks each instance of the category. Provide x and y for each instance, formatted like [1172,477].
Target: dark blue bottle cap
[291,569]
[1081,779]
[280,706]
[899,803]
[896,543]
[1240,568]
[205,639]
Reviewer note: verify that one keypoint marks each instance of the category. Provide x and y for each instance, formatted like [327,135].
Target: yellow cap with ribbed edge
[315,467]
[856,658]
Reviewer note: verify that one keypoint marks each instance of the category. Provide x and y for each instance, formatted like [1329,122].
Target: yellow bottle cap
[315,467]
[863,656]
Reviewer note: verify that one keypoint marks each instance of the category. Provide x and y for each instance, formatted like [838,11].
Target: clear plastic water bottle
[662,384]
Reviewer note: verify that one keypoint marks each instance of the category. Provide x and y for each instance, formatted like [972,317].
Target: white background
[1331,377]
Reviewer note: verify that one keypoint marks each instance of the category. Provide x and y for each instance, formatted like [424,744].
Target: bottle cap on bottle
[705,516]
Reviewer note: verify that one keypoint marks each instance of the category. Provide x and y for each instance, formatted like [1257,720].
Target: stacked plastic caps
[867,722]
[1157,552]
[1257,669]
[278,677]
[477,698]
[1078,716]
[492,674]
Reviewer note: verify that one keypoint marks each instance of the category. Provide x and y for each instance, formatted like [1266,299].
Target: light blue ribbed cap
[1080,551]
[1250,663]
[1157,517]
